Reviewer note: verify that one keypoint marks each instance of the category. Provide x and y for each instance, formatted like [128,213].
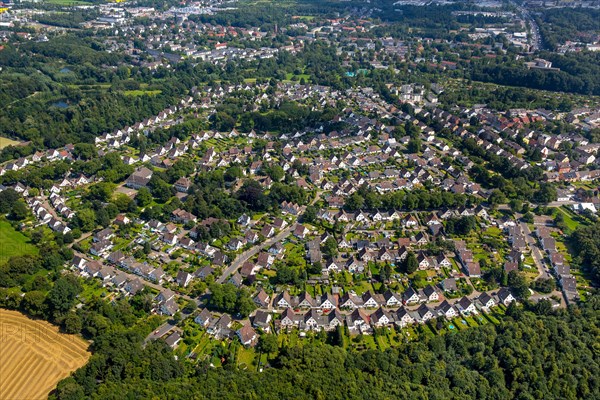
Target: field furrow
[34,356]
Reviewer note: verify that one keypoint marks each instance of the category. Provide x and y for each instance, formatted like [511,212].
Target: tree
[559,221]
[72,323]
[354,202]
[19,211]
[546,193]
[544,285]
[85,219]
[414,145]
[122,201]
[34,303]
[244,304]
[516,205]
[385,273]
[496,197]
[69,389]
[267,344]
[62,296]
[310,214]
[233,173]
[275,172]
[330,248]
[518,284]
[286,274]
[143,197]
[411,264]
[190,307]
[314,268]
[528,218]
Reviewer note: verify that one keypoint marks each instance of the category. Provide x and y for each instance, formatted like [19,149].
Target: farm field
[13,243]
[34,356]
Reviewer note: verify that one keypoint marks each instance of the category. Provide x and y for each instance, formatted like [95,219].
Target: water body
[60,104]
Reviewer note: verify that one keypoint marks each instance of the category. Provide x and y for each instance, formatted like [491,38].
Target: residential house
[447,310]
[430,293]
[505,296]
[466,306]
[486,301]
[262,320]
[411,296]
[247,336]
[262,299]
[424,313]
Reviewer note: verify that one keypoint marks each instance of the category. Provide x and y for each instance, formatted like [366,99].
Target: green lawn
[569,221]
[68,2]
[4,142]
[246,356]
[13,243]
[141,92]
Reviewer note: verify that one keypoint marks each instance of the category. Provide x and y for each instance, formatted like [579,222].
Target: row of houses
[560,266]
[359,321]
[350,300]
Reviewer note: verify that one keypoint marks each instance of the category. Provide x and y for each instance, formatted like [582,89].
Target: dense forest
[586,245]
[538,354]
[579,73]
[557,25]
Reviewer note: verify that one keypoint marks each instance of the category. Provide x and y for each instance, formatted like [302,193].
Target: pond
[60,104]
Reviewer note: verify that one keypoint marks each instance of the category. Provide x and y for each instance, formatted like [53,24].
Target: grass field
[68,2]
[35,356]
[4,142]
[142,92]
[13,243]
[569,218]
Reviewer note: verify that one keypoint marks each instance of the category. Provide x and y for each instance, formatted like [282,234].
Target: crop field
[34,356]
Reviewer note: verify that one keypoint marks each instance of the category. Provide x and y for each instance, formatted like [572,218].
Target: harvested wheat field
[34,356]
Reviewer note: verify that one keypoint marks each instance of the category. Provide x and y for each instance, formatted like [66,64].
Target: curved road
[242,258]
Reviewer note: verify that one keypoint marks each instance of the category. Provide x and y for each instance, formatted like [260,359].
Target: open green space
[142,92]
[13,243]
[570,223]
[5,142]
[68,2]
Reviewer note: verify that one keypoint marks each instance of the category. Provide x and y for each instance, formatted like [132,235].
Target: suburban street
[242,258]
[164,328]
[536,253]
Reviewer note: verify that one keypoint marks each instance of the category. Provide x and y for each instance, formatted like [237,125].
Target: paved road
[164,328]
[242,258]
[534,31]
[561,203]
[146,282]
[536,253]
[159,332]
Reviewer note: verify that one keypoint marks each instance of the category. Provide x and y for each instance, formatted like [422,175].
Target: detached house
[284,300]
[505,296]
[380,318]
[466,306]
[447,310]
[140,178]
[430,293]
[247,336]
[403,317]
[183,184]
